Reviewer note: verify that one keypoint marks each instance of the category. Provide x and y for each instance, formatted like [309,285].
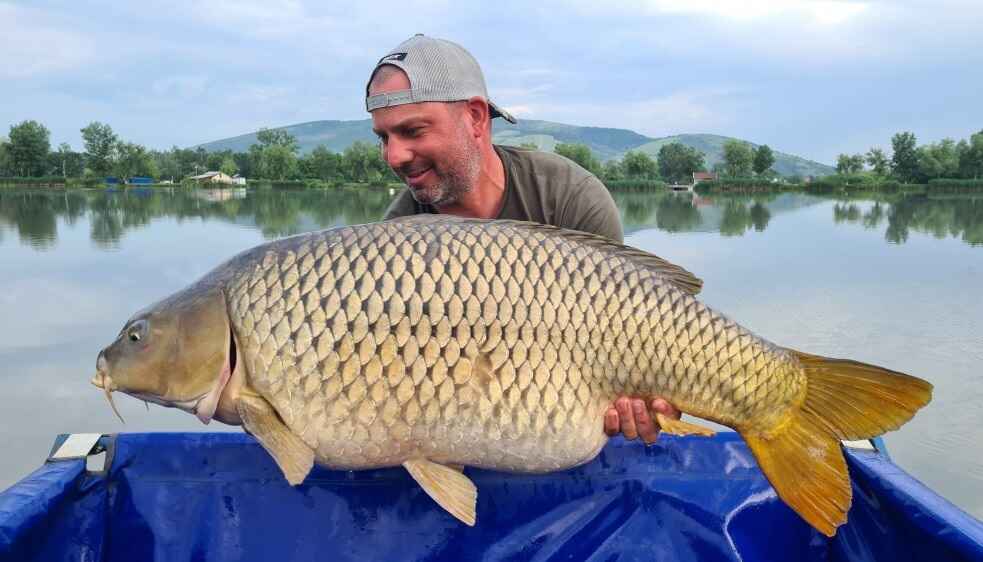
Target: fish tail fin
[844,399]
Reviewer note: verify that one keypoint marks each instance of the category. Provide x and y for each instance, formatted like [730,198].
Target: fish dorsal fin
[670,272]
[450,488]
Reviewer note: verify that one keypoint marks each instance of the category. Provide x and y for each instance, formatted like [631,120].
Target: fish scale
[380,341]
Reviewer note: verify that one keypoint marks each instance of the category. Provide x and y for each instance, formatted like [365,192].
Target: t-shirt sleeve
[592,209]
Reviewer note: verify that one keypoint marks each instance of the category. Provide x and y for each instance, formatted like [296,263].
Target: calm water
[897,282]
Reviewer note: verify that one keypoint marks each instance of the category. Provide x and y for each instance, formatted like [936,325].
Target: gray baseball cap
[438,70]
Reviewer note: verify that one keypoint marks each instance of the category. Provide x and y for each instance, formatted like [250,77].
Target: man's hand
[630,417]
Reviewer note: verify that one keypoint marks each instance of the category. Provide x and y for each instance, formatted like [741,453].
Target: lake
[895,280]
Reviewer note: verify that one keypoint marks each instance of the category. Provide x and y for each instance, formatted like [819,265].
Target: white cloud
[684,111]
[181,87]
[818,11]
[32,44]
[521,111]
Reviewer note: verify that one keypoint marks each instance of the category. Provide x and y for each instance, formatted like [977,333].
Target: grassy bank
[635,185]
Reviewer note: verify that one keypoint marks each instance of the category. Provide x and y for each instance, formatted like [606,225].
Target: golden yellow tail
[801,455]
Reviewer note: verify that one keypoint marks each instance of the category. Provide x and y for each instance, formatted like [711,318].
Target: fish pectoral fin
[291,454]
[450,488]
[679,427]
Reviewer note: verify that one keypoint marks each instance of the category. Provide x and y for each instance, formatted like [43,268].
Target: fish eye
[136,331]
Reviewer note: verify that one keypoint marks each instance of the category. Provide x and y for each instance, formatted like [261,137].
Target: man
[431,112]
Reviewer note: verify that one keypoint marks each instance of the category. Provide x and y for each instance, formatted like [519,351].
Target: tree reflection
[35,215]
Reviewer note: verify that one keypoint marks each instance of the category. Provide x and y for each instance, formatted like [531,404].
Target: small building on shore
[703,176]
[212,177]
[238,180]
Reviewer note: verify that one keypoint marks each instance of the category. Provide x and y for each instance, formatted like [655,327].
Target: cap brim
[496,111]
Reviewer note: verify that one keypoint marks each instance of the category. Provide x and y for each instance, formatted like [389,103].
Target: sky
[812,78]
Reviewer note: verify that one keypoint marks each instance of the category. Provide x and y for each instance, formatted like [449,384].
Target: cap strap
[387,99]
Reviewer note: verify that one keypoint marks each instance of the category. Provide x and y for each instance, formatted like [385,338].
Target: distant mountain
[607,143]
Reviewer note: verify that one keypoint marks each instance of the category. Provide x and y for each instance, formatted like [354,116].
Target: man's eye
[415,132]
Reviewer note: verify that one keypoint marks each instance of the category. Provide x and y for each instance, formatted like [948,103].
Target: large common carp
[434,343]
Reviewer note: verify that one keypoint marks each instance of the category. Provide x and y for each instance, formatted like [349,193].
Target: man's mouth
[416,177]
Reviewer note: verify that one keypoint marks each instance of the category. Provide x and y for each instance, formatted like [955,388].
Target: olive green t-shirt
[541,187]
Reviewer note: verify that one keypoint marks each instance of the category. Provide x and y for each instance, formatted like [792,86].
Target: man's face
[429,145]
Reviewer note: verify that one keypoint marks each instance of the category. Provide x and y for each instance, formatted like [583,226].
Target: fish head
[178,353]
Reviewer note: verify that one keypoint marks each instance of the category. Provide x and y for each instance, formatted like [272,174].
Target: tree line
[675,162]
[27,153]
[910,163]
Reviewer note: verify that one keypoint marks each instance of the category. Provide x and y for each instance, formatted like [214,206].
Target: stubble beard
[457,178]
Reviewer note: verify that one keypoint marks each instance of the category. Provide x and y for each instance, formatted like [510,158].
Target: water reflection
[34,215]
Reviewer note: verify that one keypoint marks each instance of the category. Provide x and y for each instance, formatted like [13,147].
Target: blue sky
[814,78]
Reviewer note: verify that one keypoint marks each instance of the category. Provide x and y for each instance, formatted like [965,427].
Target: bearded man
[431,112]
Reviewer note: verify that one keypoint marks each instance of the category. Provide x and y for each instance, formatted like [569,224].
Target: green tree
[167,163]
[849,163]
[133,160]
[639,165]
[738,158]
[970,156]
[248,167]
[100,143]
[764,159]
[5,169]
[877,161]
[28,148]
[938,160]
[529,146]
[904,161]
[362,162]
[581,154]
[277,137]
[228,166]
[279,162]
[321,164]
[612,170]
[677,162]
[65,162]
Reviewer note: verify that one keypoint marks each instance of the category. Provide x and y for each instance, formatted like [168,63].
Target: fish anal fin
[800,453]
[294,457]
[680,427]
[450,488]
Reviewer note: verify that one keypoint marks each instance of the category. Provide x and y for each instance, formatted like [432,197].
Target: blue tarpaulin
[219,497]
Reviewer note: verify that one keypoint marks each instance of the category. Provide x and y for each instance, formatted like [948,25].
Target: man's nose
[396,153]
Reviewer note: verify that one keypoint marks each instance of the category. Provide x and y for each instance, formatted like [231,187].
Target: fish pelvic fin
[448,486]
[801,454]
[294,457]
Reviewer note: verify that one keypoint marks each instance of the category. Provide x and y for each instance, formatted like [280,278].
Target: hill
[607,143]
[713,147]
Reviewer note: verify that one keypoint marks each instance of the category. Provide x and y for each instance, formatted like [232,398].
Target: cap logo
[394,56]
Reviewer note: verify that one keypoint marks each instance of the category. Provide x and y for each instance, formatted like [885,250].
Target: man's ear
[478,110]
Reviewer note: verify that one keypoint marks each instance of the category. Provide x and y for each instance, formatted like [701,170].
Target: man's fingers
[648,430]
[666,409]
[612,424]
[627,419]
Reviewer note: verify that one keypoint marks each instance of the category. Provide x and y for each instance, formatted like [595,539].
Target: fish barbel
[433,343]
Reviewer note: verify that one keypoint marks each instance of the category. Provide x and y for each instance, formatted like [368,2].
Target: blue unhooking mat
[219,497]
